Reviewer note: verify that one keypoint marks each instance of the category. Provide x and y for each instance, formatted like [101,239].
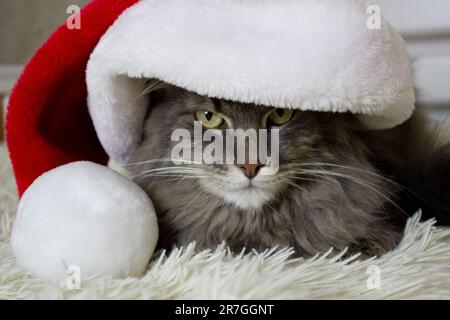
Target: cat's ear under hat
[321,55]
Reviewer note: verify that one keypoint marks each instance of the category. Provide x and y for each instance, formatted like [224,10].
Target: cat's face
[305,139]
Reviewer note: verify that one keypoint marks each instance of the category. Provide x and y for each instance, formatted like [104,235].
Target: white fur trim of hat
[303,54]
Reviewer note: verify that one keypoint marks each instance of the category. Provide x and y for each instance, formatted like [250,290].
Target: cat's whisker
[173,174]
[360,182]
[169,170]
[296,186]
[150,86]
[353,178]
[161,160]
[385,197]
[325,175]
[330,179]
[310,179]
[176,175]
[175,178]
[175,170]
[320,164]
[373,173]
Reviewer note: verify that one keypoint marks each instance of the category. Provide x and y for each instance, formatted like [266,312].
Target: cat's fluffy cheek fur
[238,190]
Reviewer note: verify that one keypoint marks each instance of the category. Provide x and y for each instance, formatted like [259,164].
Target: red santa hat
[78,98]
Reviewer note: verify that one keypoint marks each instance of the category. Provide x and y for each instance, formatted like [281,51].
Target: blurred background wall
[25,24]
[425,25]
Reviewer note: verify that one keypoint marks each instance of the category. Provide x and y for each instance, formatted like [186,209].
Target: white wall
[425,25]
[26,24]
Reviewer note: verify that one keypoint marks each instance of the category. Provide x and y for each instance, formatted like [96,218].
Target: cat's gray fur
[354,201]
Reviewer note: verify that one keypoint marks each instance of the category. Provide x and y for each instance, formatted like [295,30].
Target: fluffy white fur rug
[418,269]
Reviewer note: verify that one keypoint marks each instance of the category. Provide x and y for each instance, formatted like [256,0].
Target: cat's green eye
[281,116]
[208,119]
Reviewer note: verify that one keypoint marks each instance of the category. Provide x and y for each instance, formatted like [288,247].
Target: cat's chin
[245,198]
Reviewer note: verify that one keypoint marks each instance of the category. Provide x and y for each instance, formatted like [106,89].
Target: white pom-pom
[86,217]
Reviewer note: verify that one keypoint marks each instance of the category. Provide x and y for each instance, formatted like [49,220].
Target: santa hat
[78,98]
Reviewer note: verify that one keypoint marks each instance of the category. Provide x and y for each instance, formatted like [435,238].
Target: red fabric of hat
[47,122]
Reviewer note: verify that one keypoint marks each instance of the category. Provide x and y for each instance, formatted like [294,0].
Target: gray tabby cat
[338,184]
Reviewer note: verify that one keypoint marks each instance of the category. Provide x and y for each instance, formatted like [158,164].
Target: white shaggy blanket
[418,269]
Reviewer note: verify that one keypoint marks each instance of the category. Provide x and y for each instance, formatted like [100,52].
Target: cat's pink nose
[250,170]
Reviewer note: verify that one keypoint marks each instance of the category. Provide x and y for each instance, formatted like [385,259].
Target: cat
[339,184]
